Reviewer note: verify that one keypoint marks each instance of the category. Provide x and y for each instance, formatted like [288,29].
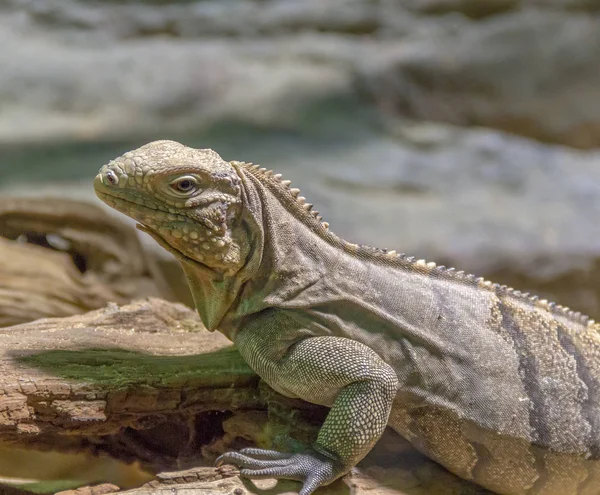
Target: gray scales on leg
[500,387]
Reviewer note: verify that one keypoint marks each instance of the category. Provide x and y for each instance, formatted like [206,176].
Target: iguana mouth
[143,210]
[150,222]
[116,199]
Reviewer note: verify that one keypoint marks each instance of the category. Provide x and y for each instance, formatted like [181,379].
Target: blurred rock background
[463,131]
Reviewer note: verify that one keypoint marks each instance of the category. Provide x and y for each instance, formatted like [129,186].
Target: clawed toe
[268,454]
[245,459]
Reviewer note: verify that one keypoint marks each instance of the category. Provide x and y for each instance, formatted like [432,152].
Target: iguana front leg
[333,371]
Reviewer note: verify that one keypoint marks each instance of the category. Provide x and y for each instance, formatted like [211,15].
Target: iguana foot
[312,468]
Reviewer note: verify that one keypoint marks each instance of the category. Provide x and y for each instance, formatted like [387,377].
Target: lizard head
[186,198]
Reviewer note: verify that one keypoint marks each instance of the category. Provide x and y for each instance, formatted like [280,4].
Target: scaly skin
[497,386]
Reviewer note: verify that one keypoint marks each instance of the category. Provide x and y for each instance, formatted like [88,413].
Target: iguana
[498,386]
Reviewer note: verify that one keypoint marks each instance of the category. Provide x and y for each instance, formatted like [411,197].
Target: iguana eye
[184,184]
[112,178]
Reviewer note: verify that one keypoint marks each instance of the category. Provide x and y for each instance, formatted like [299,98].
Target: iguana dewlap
[499,387]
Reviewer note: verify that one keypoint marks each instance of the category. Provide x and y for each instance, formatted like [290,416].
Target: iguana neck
[217,294]
[283,257]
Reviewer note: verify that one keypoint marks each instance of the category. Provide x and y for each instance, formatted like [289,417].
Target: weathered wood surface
[63,257]
[94,374]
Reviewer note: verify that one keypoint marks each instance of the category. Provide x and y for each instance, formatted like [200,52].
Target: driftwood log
[62,257]
[146,382]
